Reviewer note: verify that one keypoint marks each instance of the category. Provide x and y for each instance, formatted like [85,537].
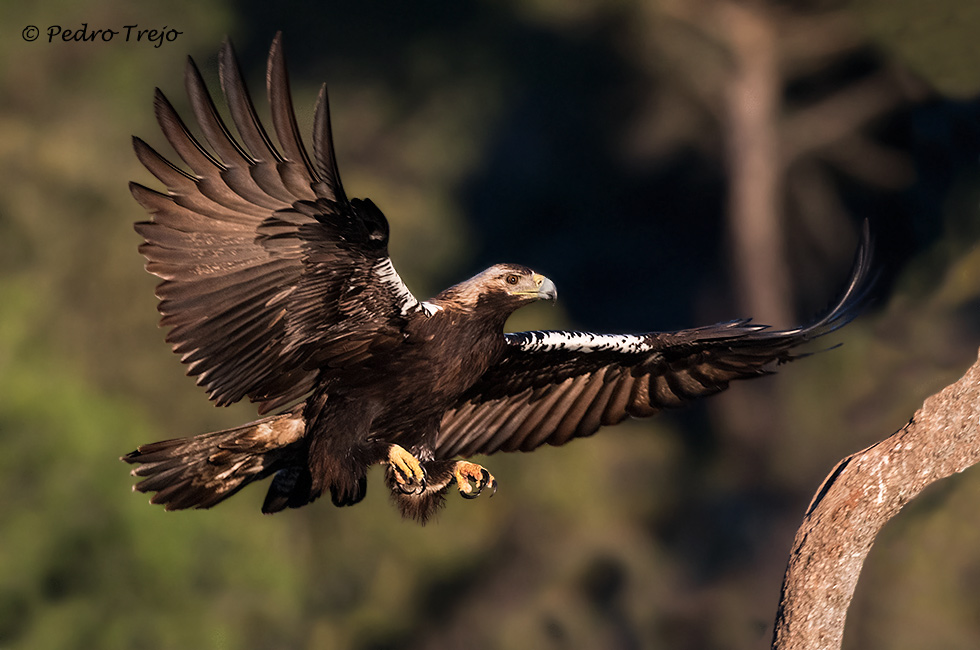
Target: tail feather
[204,470]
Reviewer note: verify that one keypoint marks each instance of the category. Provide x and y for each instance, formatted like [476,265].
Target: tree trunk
[752,97]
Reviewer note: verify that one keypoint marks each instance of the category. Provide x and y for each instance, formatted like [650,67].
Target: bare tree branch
[859,496]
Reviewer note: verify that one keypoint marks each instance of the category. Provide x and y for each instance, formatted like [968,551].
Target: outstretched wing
[264,260]
[551,387]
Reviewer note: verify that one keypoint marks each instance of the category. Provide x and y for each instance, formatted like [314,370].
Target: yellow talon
[406,470]
[472,479]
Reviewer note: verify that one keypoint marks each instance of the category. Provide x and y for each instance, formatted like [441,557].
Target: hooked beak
[546,288]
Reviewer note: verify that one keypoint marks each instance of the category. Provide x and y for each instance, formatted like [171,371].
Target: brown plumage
[278,288]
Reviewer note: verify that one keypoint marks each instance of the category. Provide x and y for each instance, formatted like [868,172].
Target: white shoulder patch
[404,299]
[580,342]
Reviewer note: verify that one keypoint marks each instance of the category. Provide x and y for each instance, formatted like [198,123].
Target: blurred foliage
[583,138]
[911,34]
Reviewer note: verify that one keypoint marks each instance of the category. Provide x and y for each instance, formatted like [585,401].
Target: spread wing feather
[269,272]
[551,387]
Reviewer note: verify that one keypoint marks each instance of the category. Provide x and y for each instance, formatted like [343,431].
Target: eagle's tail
[204,470]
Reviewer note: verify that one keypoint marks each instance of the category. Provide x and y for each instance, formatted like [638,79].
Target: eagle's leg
[405,472]
[472,479]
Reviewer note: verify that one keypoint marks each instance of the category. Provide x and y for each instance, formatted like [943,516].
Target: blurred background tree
[668,163]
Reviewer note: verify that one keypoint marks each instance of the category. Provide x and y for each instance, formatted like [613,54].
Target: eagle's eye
[513,278]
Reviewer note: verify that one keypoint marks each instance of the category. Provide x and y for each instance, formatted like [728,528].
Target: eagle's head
[503,287]
[518,283]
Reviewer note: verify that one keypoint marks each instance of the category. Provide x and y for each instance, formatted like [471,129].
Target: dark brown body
[399,397]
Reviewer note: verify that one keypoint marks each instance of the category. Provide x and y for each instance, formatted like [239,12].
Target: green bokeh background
[671,532]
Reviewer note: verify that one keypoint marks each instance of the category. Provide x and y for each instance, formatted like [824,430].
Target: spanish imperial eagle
[278,287]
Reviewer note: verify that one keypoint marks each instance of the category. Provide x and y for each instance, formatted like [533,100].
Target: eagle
[278,287]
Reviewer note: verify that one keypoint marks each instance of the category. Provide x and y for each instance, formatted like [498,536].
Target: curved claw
[493,486]
[472,479]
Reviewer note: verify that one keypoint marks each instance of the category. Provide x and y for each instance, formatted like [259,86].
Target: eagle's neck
[488,310]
